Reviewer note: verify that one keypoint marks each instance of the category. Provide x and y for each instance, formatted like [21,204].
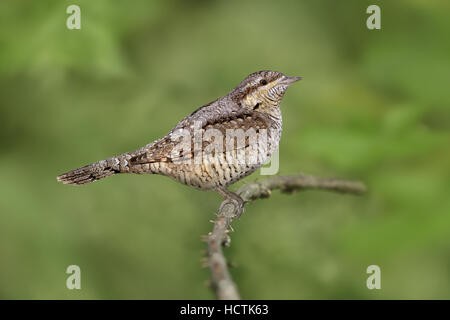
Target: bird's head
[263,90]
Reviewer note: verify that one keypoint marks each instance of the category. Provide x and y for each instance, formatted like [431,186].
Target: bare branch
[221,281]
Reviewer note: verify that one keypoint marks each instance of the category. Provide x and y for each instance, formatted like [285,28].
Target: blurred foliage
[373,105]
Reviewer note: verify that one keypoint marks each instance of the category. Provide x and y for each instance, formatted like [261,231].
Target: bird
[247,121]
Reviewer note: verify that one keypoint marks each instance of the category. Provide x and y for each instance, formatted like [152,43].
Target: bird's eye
[263,82]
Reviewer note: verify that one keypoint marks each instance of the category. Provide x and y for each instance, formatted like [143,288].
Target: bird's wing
[159,151]
[236,118]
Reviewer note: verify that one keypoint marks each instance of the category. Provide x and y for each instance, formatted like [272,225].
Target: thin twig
[221,281]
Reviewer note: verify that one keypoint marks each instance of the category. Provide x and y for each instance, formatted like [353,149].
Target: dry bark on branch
[221,281]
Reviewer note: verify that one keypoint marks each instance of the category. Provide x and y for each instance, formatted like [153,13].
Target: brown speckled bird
[254,104]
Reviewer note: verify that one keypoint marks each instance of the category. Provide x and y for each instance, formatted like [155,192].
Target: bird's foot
[231,197]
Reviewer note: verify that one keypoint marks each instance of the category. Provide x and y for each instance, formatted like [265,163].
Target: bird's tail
[91,173]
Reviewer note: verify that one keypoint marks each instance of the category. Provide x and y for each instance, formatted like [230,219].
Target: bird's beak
[291,80]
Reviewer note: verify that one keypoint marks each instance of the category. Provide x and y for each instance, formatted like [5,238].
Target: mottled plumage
[253,106]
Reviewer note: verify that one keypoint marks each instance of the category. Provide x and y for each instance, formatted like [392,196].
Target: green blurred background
[373,105]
